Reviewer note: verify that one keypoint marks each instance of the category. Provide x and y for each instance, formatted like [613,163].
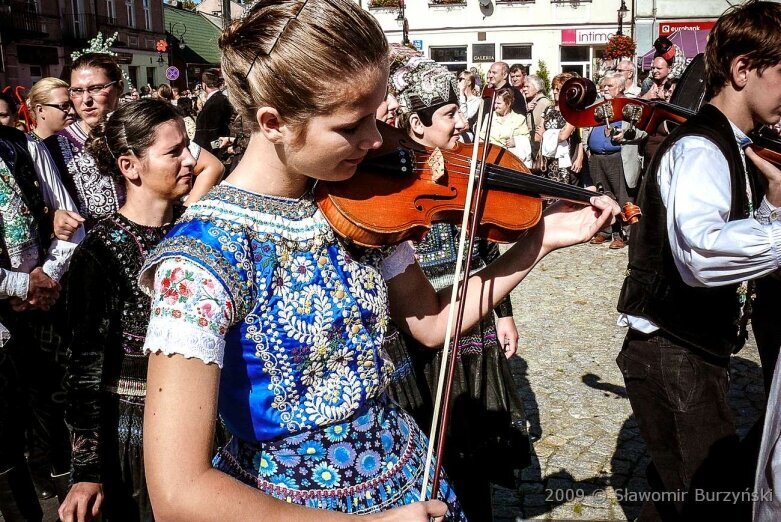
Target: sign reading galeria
[668,28]
[586,36]
[484,53]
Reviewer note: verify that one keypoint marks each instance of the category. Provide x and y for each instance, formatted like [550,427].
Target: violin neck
[510,180]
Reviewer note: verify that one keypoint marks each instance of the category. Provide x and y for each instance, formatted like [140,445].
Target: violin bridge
[436,162]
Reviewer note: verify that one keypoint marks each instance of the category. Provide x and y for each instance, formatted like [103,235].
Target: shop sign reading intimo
[586,36]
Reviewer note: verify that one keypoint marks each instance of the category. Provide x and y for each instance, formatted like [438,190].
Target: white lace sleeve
[398,261]
[191,311]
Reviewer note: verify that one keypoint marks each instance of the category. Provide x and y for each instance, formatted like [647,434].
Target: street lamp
[180,36]
[401,19]
[622,12]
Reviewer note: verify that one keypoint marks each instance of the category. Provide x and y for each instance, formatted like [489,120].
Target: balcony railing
[19,24]
[80,27]
[383,3]
[77,28]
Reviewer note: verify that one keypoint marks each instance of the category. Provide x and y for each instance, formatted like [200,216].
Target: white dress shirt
[708,249]
[55,196]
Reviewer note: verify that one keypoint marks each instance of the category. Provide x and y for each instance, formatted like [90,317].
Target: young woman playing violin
[487,438]
[257,306]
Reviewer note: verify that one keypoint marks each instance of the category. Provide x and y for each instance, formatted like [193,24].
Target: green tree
[189,5]
[544,75]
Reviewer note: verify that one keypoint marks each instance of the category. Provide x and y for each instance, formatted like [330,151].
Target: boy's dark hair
[211,78]
[750,29]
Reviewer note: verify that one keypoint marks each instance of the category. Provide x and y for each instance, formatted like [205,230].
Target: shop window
[453,58]
[517,54]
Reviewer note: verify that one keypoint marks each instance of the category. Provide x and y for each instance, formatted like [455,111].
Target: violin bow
[471,218]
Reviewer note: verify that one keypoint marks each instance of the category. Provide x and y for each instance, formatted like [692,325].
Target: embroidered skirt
[371,463]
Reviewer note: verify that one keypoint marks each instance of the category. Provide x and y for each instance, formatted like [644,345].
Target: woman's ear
[129,166]
[270,124]
[416,125]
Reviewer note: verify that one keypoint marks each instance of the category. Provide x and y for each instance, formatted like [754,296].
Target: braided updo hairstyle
[297,56]
[131,128]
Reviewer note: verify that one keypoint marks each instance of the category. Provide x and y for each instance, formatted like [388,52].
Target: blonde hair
[471,81]
[40,93]
[285,54]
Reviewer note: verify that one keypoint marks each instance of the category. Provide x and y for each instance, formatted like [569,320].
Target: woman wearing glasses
[96,86]
[50,107]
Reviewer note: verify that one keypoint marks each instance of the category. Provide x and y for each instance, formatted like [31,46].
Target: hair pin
[284,27]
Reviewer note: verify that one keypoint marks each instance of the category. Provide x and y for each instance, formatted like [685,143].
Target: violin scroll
[578,93]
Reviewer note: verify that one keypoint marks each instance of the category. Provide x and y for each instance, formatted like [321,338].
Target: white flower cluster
[103,46]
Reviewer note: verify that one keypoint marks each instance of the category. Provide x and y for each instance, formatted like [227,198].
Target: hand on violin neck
[566,224]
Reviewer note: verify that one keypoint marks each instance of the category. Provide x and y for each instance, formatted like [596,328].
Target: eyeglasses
[94,90]
[64,106]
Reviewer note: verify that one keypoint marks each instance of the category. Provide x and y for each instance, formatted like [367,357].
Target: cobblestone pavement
[588,457]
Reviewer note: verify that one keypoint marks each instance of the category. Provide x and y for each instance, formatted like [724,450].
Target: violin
[576,103]
[402,188]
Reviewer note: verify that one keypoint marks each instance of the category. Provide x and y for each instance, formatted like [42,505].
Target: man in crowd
[214,119]
[706,233]
[498,78]
[614,160]
[660,70]
[517,76]
[627,68]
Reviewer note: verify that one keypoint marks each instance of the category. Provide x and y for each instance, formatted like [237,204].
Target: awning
[691,43]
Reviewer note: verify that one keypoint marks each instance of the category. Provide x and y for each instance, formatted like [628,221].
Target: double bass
[577,105]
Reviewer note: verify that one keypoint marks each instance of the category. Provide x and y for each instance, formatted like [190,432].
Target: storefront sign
[483,53]
[586,36]
[668,28]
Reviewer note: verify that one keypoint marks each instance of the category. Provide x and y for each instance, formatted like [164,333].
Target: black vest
[14,152]
[708,319]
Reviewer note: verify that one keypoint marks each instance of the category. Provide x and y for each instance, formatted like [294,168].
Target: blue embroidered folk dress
[260,286]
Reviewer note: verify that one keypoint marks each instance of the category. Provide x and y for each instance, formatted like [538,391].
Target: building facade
[567,35]
[39,35]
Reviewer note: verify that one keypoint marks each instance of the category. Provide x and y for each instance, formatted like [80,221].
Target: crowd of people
[181,346]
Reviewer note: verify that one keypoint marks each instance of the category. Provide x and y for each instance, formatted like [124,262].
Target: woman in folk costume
[96,85]
[261,312]
[143,144]
[487,435]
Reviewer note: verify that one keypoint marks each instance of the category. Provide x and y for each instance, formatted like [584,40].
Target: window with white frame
[454,58]
[131,13]
[520,54]
[147,15]
[576,59]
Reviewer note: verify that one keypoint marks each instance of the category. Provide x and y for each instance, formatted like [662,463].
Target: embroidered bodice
[107,316]
[261,286]
[96,195]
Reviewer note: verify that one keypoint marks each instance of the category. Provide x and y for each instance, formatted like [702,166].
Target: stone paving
[589,459]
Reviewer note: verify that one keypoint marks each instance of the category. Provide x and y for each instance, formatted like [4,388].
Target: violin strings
[535,184]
